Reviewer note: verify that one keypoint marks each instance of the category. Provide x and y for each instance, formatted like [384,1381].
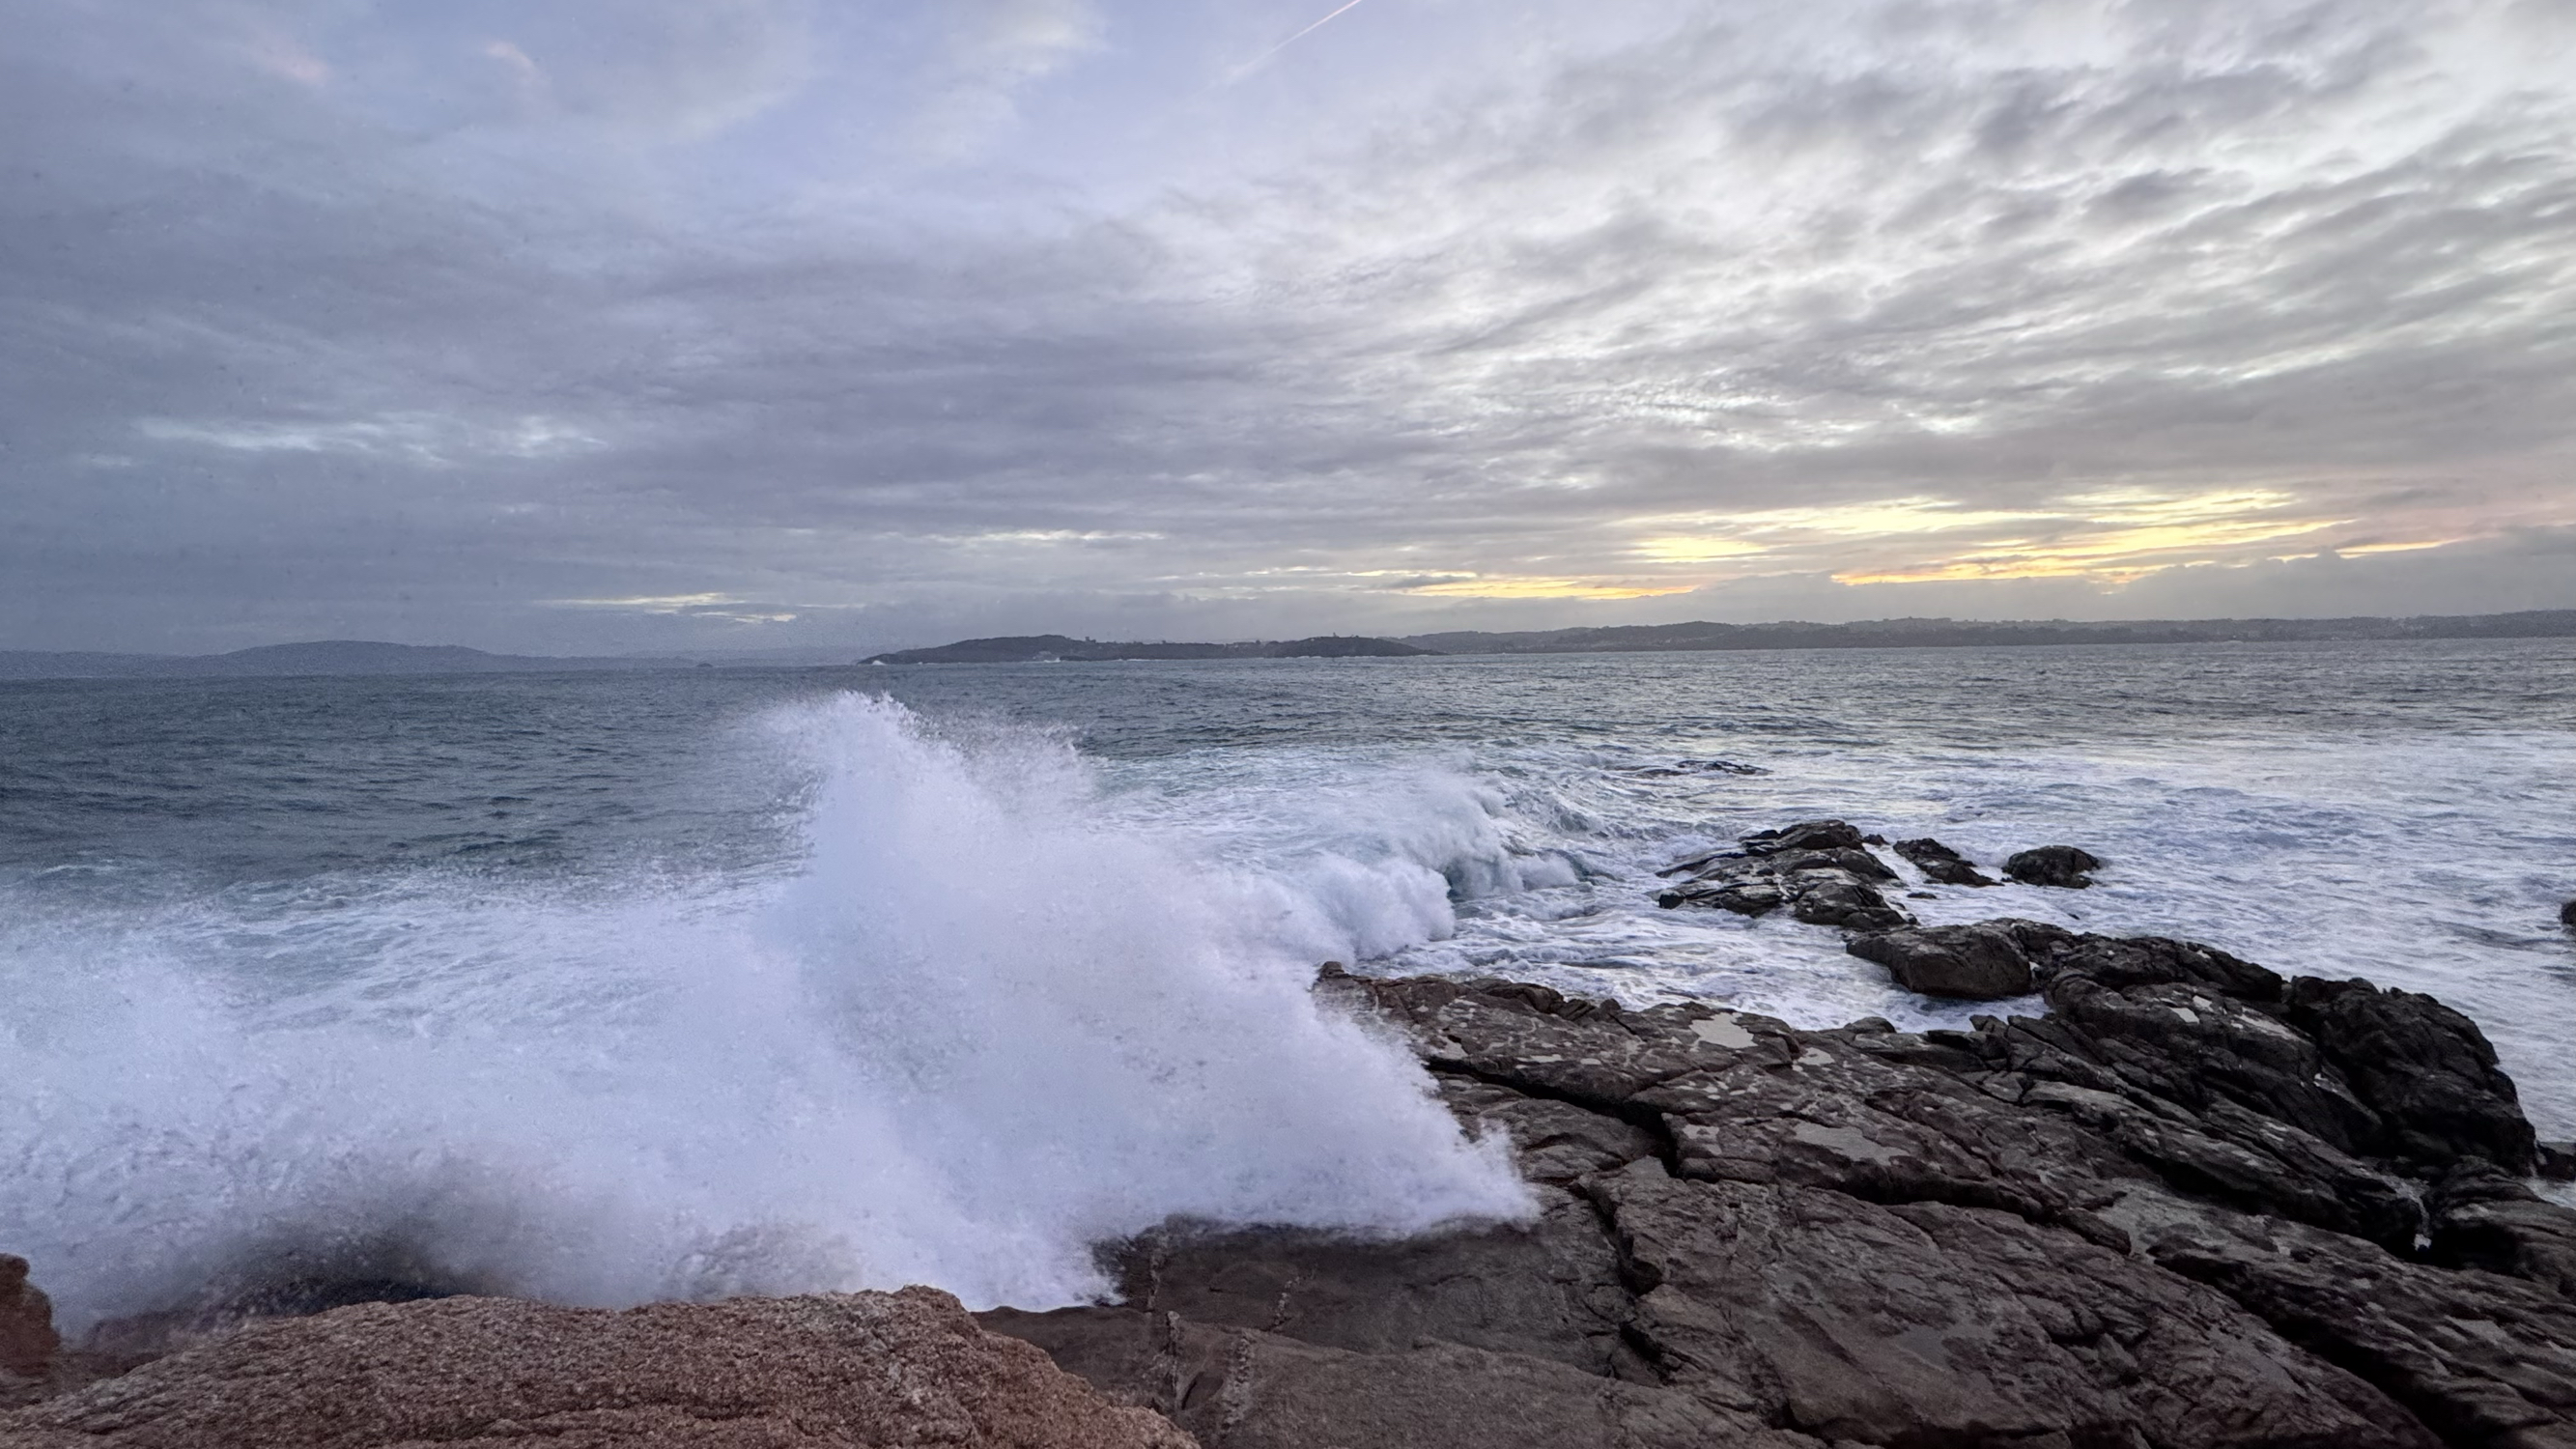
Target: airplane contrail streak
[1248,67]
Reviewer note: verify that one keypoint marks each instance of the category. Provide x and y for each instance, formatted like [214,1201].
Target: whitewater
[610,988]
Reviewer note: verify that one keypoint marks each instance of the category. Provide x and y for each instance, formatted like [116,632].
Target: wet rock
[1806,835]
[1936,1324]
[1743,897]
[2480,1216]
[2426,1070]
[2567,915]
[835,1369]
[2557,1161]
[2478,1358]
[1980,963]
[2053,865]
[1940,863]
[1819,869]
[1844,902]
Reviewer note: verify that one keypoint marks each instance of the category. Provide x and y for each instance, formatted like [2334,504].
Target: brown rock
[908,1368]
[27,1338]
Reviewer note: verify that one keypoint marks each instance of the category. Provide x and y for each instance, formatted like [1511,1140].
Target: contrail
[1249,66]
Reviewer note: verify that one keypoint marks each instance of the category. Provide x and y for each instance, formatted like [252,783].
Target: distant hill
[1958,633]
[327,656]
[1042,648]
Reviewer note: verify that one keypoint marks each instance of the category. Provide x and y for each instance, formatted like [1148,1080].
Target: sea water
[609,987]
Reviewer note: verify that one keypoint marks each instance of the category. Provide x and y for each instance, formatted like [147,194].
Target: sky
[571,326]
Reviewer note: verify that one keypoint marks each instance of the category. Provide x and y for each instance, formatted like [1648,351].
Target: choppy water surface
[607,987]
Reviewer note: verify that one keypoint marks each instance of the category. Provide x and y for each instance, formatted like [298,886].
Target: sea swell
[983,1027]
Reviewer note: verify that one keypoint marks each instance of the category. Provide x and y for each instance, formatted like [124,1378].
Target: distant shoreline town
[369,657]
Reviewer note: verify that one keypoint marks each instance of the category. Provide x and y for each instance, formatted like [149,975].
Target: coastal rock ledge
[2194,1206]
[876,1369]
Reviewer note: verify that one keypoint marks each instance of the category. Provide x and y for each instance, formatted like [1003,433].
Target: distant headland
[1959,633]
[368,657]
[1051,648]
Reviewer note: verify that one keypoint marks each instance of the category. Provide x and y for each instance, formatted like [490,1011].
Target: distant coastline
[1055,648]
[365,657]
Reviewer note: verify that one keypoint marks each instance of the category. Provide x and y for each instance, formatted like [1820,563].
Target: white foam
[981,1030]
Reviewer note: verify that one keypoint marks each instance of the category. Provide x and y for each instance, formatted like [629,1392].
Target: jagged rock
[2053,865]
[1820,869]
[2557,1161]
[1935,1324]
[1982,962]
[836,1369]
[2482,1217]
[1846,903]
[2567,915]
[1744,897]
[2426,1070]
[1940,863]
[2480,1359]
[1806,835]
[1872,1236]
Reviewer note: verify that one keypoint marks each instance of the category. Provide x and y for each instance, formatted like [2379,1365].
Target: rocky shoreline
[2193,1204]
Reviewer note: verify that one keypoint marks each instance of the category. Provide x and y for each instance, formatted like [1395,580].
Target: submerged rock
[1940,863]
[2053,865]
[835,1369]
[1980,963]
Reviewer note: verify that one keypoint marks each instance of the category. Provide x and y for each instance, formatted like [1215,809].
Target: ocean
[610,987]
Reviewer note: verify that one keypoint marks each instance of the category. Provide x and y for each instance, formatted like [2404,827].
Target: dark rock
[1805,835]
[2053,865]
[27,1338]
[2567,915]
[2479,1359]
[1981,962]
[2479,1216]
[1845,903]
[2426,1070]
[1939,862]
[1818,869]
[1935,1324]
[1744,897]
[482,1373]
[2557,1161]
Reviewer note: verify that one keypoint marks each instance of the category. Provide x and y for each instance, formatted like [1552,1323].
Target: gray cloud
[750,324]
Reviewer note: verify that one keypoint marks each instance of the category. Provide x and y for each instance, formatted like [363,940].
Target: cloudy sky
[573,325]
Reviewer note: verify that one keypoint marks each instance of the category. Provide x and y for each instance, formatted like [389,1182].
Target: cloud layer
[677,324]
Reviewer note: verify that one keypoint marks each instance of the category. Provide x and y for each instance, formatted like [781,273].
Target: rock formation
[1940,863]
[2053,865]
[839,1369]
[2194,1205]
[1822,870]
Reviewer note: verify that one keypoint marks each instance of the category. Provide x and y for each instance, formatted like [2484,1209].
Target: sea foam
[984,1027]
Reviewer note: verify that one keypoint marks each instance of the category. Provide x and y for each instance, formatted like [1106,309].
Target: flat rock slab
[908,1368]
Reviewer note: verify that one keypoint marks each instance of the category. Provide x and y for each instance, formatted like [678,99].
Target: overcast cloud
[567,325]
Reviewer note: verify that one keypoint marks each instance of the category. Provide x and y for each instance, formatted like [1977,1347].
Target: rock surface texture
[2053,865]
[2195,1205]
[876,1369]
[1940,863]
[1822,870]
[28,1342]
